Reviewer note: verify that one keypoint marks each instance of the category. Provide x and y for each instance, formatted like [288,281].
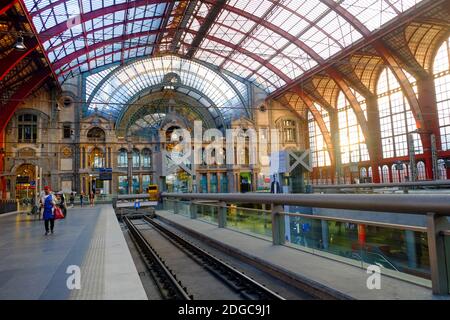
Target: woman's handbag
[57,213]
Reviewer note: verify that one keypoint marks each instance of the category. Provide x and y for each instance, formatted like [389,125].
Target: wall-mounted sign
[23,180]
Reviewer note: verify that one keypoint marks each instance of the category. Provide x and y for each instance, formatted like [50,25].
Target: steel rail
[248,282]
[176,291]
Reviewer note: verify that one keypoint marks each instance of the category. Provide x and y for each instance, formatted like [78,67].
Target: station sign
[105,174]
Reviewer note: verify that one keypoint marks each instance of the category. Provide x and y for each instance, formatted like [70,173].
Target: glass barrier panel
[400,253]
[256,222]
[168,204]
[207,213]
[184,208]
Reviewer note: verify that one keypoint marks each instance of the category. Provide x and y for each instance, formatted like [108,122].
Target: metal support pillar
[222,216]
[278,227]
[193,210]
[176,208]
[437,254]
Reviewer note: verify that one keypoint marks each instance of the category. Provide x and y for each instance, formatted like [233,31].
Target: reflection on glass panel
[398,252]
[146,181]
[123,185]
[136,185]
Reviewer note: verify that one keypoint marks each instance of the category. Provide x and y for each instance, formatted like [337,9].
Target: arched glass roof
[121,86]
[269,42]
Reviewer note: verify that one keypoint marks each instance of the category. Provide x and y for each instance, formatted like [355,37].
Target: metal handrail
[435,183]
[403,203]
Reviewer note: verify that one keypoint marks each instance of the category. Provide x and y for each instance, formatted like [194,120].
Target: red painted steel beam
[6,6]
[321,123]
[249,32]
[80,36]
[211,51]
[273,28]
[69,58]
[386,55]
[345,88]
[33,28]
[20,95]
[63,26]
[209,20]
[123,36]
[252,55]
[2,165]
[15,56]
[364,43]
[86,43]
[166,17]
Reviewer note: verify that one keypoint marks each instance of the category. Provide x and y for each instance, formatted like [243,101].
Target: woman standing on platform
[91,198]
[49,204]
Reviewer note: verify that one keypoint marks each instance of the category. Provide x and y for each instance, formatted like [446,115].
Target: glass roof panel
[291,35]
[124,83]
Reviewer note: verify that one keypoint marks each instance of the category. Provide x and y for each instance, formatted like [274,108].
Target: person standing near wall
[81,199]
[49,204]
[91,198]
[71,199]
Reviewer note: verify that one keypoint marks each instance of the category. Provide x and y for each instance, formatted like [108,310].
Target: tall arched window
[352,141]
[136,158]
[385,174]
[396,117]
[319,150]
[122,158]
[399,173]
[363,173]
[96,158]
[421,172]
[441,70]
[395,174]
[146,158]
[442,170]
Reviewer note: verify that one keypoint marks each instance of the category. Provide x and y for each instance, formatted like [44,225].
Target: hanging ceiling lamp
[20,45]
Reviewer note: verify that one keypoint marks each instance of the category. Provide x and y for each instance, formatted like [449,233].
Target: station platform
[335,279]
[34,266]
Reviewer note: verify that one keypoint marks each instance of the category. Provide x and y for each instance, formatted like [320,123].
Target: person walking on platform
[71,199]
[49,204]
[41,203]
[91,198]
[81,199]
[62,203]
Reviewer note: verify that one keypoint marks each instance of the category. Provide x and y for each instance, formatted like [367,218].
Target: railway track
[183,271]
